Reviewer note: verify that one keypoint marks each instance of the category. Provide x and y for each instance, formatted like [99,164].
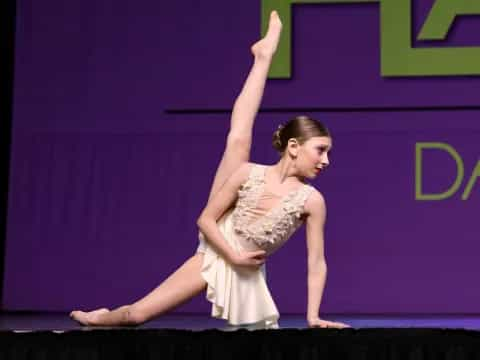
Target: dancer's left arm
[317,266]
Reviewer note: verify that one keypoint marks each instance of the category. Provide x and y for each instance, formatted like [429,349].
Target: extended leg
[179,287]
[239,139]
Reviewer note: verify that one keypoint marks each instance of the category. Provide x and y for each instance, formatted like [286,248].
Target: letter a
[473,178]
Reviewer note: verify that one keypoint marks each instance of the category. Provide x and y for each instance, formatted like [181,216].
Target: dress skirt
[238,295]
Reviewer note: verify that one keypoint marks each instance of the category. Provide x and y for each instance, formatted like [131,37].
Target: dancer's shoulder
[251,167]
[256,166]
[247,171]
[242,172]
[315,200]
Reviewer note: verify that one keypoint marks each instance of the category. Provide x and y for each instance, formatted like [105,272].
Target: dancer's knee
[239,143]
[135,316]
[237,139]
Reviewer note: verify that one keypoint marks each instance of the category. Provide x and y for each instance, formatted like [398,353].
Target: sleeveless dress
[259,220]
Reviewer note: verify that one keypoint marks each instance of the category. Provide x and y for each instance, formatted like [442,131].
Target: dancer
[251,211]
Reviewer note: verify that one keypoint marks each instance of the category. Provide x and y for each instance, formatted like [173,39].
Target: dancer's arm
[317,266]
[216,207]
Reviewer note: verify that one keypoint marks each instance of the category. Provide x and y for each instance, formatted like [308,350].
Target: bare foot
[88,318]
[266,47]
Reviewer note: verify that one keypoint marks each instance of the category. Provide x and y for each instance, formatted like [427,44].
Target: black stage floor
[50,336]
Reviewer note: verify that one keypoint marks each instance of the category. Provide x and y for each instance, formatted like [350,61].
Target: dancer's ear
[292,147]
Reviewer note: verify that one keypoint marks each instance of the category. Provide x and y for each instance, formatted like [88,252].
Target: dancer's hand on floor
[317,322]
[251,259]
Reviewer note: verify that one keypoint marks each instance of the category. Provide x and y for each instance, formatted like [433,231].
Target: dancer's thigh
[179,287]
[236,153]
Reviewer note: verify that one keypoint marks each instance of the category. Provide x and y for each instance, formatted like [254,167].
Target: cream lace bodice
[265,218]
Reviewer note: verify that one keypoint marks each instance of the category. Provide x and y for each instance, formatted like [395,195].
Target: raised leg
[179,287]
[239,139]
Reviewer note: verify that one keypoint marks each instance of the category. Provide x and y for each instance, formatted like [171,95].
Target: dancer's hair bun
[276,139]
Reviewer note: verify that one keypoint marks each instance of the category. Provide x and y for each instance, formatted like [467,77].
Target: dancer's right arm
[216,207]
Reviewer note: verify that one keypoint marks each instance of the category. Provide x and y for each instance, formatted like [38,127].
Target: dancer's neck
[286,171]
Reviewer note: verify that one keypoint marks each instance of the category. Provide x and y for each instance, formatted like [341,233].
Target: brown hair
[301,128]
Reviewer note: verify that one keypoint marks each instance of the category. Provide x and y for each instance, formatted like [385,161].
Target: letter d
[419,195]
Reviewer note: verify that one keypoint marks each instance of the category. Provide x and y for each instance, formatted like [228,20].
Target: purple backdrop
[106,186]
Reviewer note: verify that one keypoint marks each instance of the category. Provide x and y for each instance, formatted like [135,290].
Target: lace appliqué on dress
[279,223]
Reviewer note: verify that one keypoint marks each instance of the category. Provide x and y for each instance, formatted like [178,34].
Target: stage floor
[28,321]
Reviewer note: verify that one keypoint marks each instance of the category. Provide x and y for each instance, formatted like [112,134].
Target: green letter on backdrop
[397,55]
[419,147]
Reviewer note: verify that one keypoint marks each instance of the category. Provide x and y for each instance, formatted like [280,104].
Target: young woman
[251,211]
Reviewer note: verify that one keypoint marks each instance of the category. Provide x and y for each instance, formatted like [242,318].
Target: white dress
[259,220]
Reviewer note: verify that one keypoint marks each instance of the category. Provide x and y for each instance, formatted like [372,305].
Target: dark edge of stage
[42,335]
[375,343]
[7,47]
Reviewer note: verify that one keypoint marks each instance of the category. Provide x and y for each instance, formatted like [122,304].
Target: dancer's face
[312,156]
